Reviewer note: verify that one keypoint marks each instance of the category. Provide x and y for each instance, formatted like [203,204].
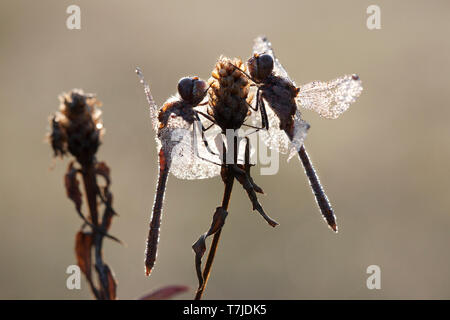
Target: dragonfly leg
[245,73]
[197,154]
[264,118]
[203,130]
[259,106]
[207,116]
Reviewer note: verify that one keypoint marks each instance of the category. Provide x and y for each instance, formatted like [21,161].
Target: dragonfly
[176,124]
[285,128]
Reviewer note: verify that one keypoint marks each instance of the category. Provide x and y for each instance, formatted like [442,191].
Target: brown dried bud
[229,93]
[77,126]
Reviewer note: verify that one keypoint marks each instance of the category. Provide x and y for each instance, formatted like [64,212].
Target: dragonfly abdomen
[319,193]
[153,235]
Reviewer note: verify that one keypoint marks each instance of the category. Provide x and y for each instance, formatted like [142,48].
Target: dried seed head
[229,93]
[77,126]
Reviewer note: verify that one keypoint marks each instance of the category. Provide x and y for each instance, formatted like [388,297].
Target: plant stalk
[91,188]
[229,180]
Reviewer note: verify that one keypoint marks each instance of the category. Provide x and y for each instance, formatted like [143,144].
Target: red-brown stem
[215,242]
[91,188]
[90,185]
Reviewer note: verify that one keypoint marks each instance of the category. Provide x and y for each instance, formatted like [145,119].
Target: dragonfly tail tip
[334,227]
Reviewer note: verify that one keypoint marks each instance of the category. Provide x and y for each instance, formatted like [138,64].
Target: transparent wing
[330,99]
[153,108]
[189,158]
[301,128]
[262,45]
[275,138]
[278,140]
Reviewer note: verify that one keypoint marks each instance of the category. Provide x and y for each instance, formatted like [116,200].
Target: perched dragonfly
[179,152]
[285,129]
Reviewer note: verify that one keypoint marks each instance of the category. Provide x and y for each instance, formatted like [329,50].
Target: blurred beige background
[384,163]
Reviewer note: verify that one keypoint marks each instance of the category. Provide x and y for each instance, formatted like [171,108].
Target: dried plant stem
[91,187]
[229,181]
[77,129]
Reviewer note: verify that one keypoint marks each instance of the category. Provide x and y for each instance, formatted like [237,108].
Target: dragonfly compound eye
[260,66]
[185,88]
[192,88]
[199,90]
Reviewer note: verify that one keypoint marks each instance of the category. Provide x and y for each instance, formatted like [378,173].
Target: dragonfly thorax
[176,108]
[280,94]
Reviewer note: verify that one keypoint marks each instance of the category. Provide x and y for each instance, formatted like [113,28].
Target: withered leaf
[112,284]
[108,213]
[103,170]
[199,246]
[164,293]
[248,184]
[83,245]
[73,186]
[218,221]
[57,138]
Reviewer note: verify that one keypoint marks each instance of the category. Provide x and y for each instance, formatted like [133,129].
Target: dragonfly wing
[274,138]
[330,99]
[262,45]
[189,157]
[278,140]
[153,108]
[301,128]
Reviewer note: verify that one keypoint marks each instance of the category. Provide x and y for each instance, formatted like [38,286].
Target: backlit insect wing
[330,99]
[262,45]
[275,138]
[153,107]
[301,127]
[188,157]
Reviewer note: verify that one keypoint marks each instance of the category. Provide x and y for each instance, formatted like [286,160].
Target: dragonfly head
[260,66]
[192,89]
